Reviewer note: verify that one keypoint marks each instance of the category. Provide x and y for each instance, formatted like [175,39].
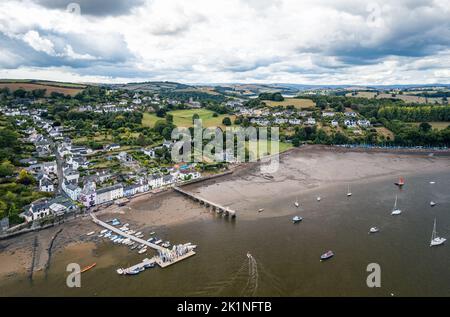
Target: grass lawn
[282,147]
[101,138]
[297,103]
[436,125]
[183,118]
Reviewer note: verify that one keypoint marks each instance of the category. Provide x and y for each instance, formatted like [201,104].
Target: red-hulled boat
[400,182]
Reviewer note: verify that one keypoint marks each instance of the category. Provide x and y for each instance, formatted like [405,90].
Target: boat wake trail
[253,277]
[246,281]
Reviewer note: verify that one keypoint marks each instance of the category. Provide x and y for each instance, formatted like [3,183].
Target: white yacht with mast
[396,210]
[435,240]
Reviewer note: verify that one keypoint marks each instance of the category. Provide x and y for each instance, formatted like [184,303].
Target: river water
[285,256]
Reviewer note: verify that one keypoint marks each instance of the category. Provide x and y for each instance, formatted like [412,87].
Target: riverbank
[302,171]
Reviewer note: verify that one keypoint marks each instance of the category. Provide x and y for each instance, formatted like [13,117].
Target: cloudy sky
[219,41]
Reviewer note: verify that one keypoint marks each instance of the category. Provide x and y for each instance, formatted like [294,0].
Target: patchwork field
[66,89]
[183,118]
[297,103]
[405,98]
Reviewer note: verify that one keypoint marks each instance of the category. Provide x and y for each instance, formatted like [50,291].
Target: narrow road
[59,163]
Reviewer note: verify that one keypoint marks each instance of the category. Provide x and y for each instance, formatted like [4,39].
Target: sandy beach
[311,168]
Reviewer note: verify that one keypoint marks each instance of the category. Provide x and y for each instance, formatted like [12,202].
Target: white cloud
[309,41]
[38,43]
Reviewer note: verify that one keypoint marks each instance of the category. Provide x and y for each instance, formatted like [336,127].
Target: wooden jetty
[156,247]
[141,265]
[176,260]
[126,235]
[218,208]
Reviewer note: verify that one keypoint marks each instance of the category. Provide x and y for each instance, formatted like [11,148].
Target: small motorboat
[104,231]
[297,219]
[319,198]
[261,210]
[134,247]
[374,230]
[326,256]
[143,250]
[432,204]
[158,242]
[297,204]
[432,183]
[349,193]
[166,244]
[132,272]
[90,233]
[120,271]
[149,264]
[138,233]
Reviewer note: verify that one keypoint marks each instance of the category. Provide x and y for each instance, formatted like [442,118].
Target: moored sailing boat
[396,210]
[435,240]
[401,182]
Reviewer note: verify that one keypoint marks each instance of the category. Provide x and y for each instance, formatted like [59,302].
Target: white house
[155,181]
[88,195]
[112,147]
[335,123]
[149,152]
[169,180]
[311,121]
[364,123]
[108,194]
[46,185]
[188,175]
[328,114]
[280,121]
[49,167]
[351,114]
[72,190]
[71,176]
[37,211]
[295,121]
[350,124]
